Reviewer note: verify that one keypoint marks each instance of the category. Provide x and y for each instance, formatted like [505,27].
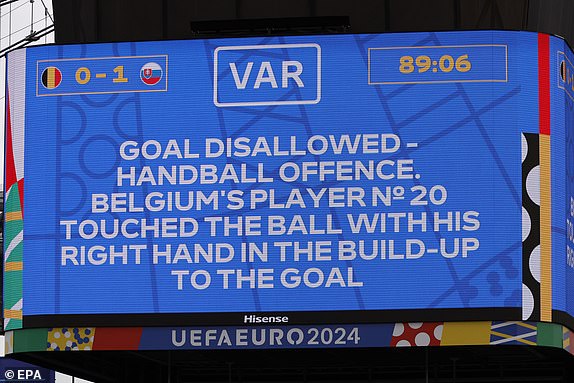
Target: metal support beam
[6,2]
[35,36]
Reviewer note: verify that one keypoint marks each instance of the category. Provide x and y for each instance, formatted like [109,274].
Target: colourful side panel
[70,339]
[30,340]
[513,333]
[545,179]
[118,338]
[13,238]
[14,192]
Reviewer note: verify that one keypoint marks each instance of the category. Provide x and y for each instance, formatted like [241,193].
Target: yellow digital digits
[84,75]
[119,70]
[423,63]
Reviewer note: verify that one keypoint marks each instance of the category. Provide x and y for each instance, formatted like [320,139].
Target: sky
[16,21]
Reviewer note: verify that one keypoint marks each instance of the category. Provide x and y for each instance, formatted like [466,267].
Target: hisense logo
[251,319]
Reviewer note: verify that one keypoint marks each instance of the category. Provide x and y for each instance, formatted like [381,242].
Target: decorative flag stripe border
[545,178]
[442,334]
[544,83]
[17,75]
[530,227]
[14,190]
[513,332]
[545,231]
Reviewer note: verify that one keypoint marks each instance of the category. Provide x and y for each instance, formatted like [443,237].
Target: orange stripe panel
[13,314]
[14,216]
[545,231]
[13,266]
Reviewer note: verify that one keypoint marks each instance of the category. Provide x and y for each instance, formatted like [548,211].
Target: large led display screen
[301,179]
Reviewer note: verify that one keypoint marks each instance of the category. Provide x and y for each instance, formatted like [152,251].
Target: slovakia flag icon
[151,73]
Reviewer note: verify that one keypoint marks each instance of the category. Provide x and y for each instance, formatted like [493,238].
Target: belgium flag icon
[51,77]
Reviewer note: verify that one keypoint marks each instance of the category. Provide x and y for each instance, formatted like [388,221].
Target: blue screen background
[468,136]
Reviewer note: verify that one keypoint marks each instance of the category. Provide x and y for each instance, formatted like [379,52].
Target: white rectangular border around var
[265,103]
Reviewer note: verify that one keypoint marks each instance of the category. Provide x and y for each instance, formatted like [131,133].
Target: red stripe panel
[544,83]
[10,166]
[117,338]
[21,193]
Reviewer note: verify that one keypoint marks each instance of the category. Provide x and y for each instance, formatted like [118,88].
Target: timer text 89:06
[445,64]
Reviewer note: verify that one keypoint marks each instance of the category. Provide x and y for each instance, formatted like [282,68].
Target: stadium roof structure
[133,20]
